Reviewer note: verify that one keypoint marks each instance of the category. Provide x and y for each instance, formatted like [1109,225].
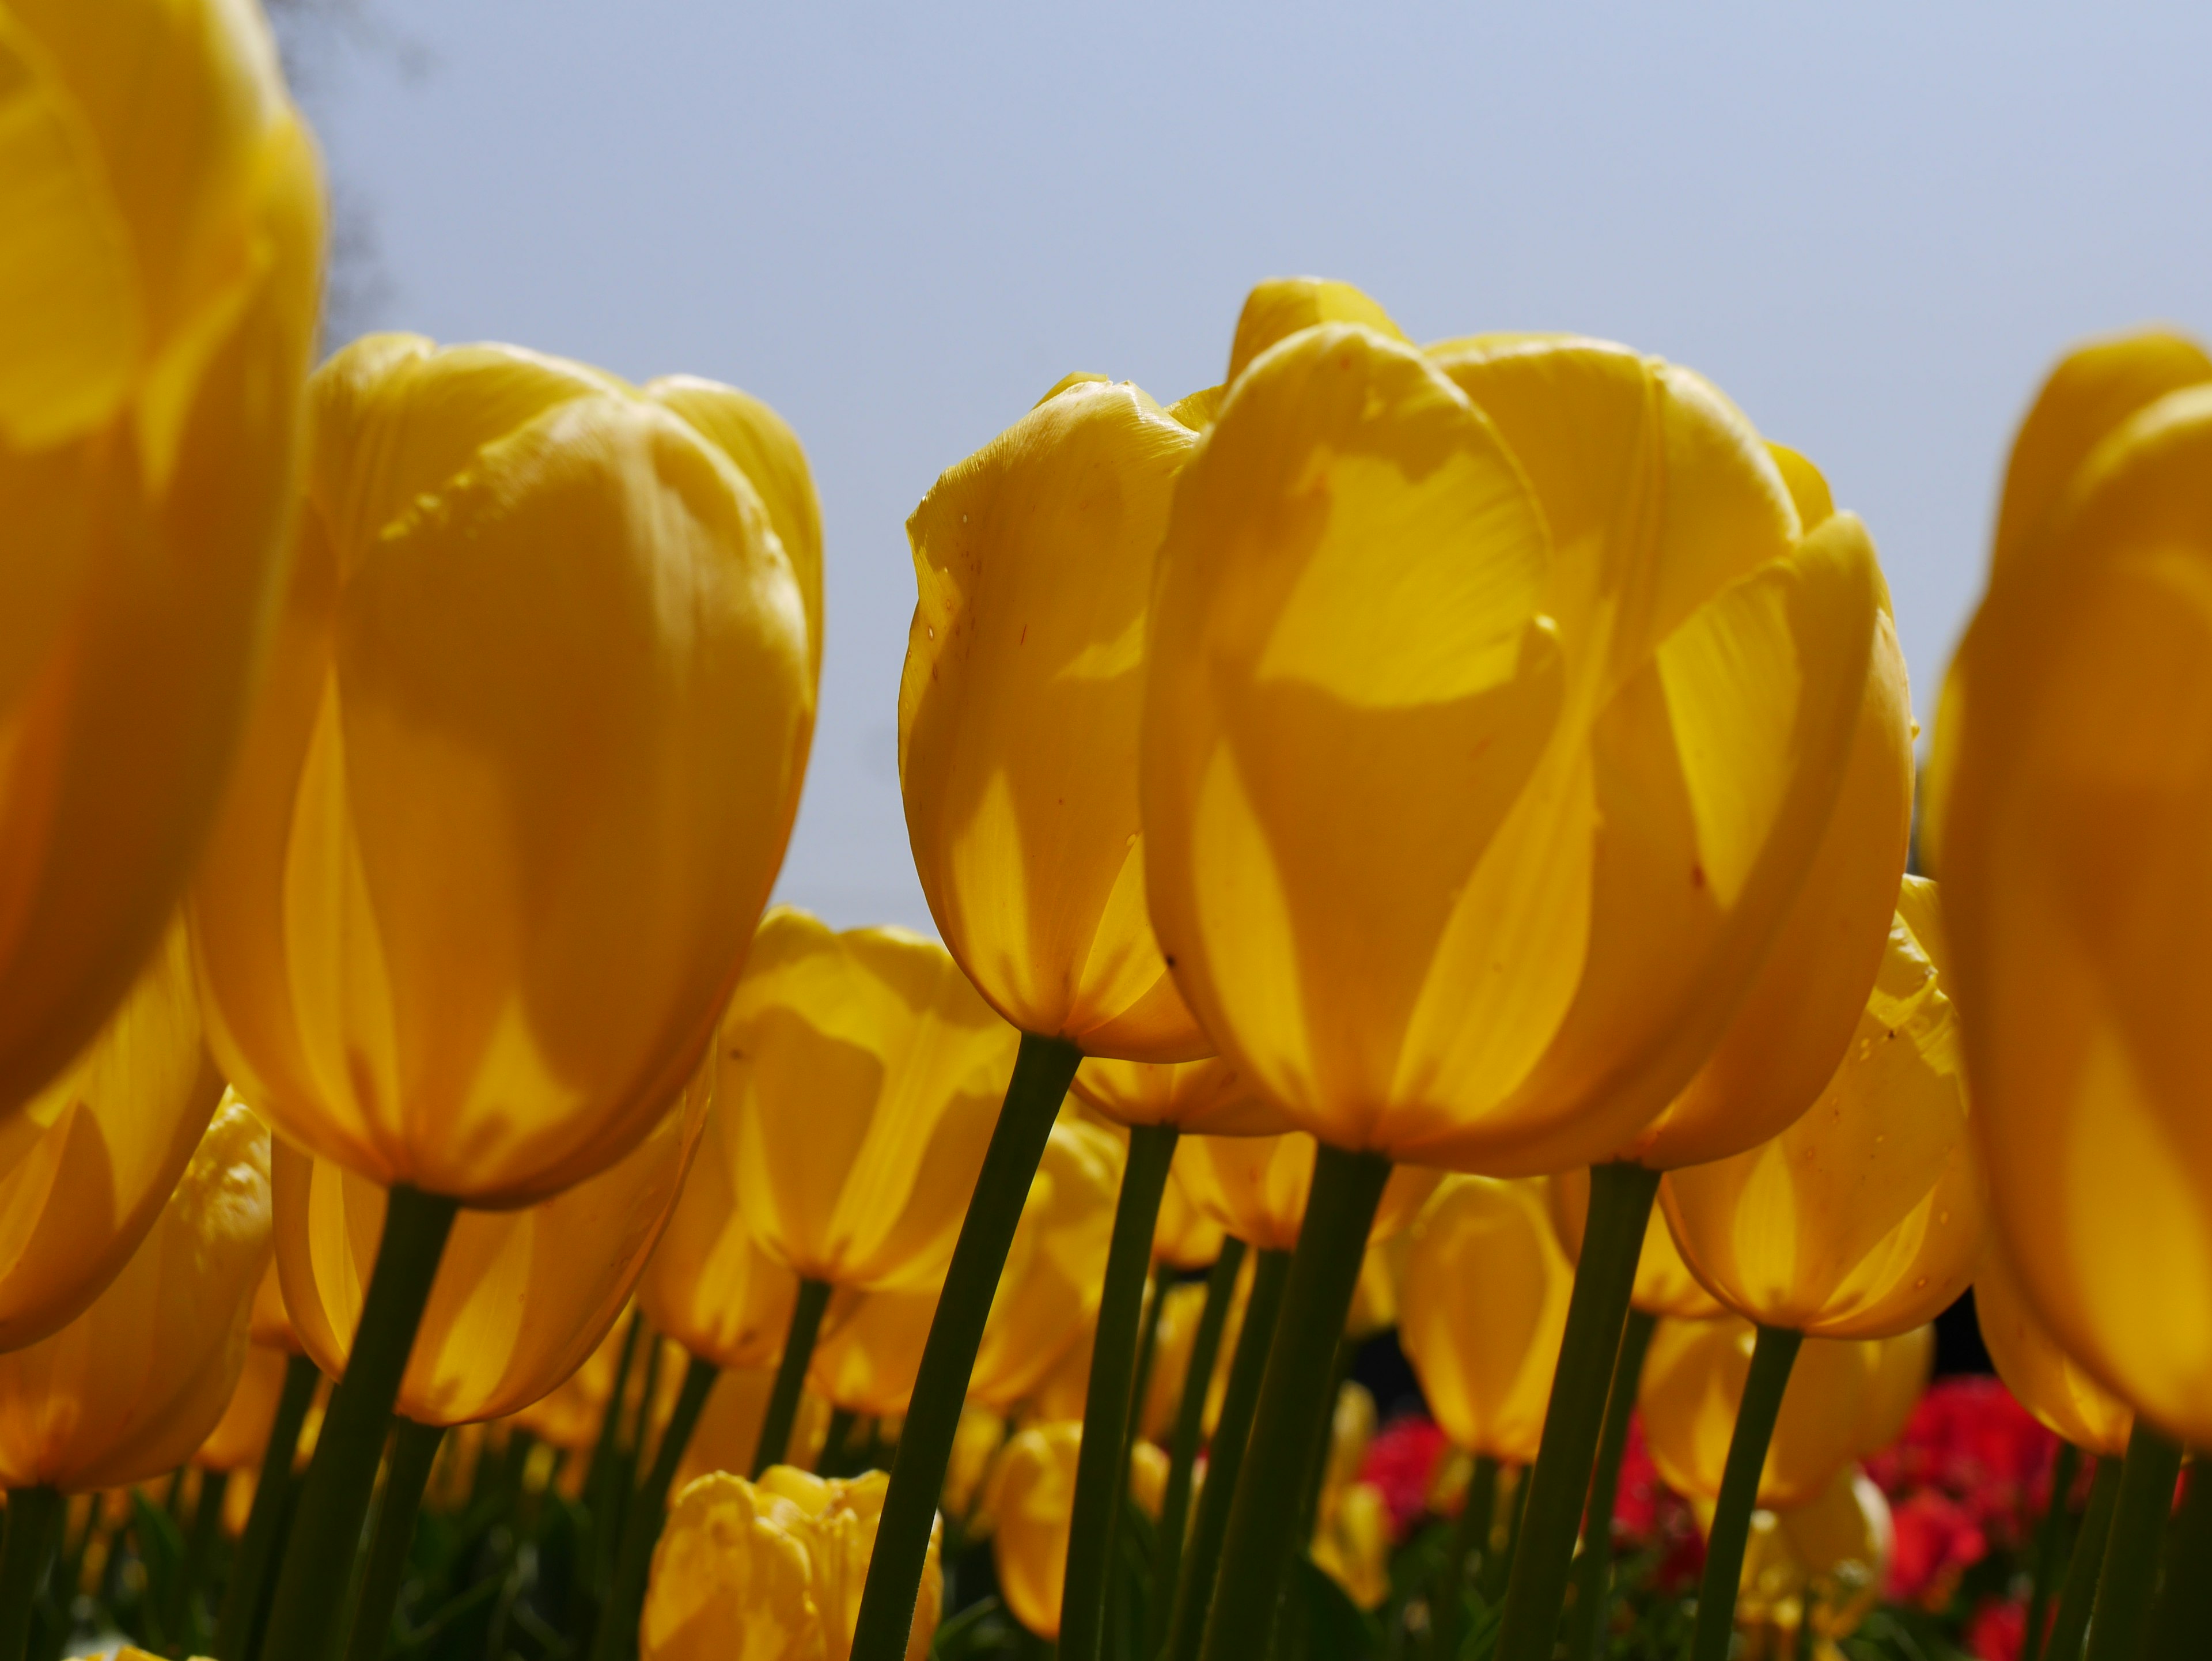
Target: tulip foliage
[1434,1088]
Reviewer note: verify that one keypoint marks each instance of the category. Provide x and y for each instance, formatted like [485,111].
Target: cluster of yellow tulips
[1418,837]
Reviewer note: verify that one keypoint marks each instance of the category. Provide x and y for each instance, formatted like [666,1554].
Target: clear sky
[1874,224]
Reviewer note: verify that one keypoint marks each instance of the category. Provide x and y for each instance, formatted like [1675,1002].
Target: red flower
[1997,1631]
[1970,1441]
[1938,1540]
[1401,1461]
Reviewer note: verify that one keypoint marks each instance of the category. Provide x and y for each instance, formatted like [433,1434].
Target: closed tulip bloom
[569,1416]
[1864,1218]
[1582,569]
[1485,1304]
[1173,1341]
[975,1445]
[2073,814]
[270,1324]
[728,1432]
[1255,1187]
[160,234]
[1901,1369]
[2047,1381]
[522,777]
[133,1384]
[860,1076]
[1203,1096]
[1664,1285]
[1030,1490]
[1351,1543]
[1019,713]
[1693,1379]
[239,1437]
[709,1285]
[87,1164]
[521,1298]
[1186,1235]
[771,1571]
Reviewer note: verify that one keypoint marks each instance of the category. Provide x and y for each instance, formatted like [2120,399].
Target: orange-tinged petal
[2047,1381]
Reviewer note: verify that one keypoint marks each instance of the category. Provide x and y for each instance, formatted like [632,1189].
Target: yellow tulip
[508,811]
[1173,1341]
[1185,1236]
[1378,1297]
[1823,1562]
[2047,1381]
[1864,1218]
[130,1387]
[1898,1379]
[975,1445]
[160,234]
[1205,1096]
[1019,713]
[270,1324]
[1422,626]
[2071,812]
[87,1163]
[1486,1304]
[239,1436]
[1255,1187]
[860,1076]
[728,1430]
[1693,1379]
[708,1284]
[1664,1285]
[521,1298]
[771,1571]
[1351,1543]
[1030,1492]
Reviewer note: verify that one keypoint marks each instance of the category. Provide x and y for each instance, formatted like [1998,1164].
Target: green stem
[1593,1566]
[1232,1434]
[1189,1426]
[2182,1615]
[790,1375]
[617,1635]
[35,1524]
[1620,1208]
[640,1424]
[1294,1399]
[1466,1557]
[414,1450]
[2131,1553]
[1318,1454]
[1096,1507]
[1497,1574]
[1771,1358]
[1042,1071]
[334,1498]
[832,1462]
[2049,1534]
[1148,1343]
[243,1598]
[2080,1591]
[199,1546]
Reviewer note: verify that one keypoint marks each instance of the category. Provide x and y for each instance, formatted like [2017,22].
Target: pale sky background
[1874,224]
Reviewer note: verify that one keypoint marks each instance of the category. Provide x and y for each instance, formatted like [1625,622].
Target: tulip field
[1464,1052]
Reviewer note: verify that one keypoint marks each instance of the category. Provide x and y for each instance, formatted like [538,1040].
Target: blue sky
[1874,225]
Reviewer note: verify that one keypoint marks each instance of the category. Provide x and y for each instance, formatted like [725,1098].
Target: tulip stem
[1621,1206]
[334,1498]
[1295,1400]
[1771,1357]
[2182,1615]
[414,1450]
[834,1450]
[617,1635]
[2080,1591]
[1096,1507]
[1232,1433]
[243,1599]
[790,1375]
[199,1545]
[1468,1553]
[1189,1426]
[2131,1551]
[1593,1566]
[2049,1535]
[1043,1069]
[34,1526]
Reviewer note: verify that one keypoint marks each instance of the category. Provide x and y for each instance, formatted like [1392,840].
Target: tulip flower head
[159,308]
[1186,1235]
[1664,1285]
[87,1164]
[860,1076]
[1485,1305]
[521,1299]
[132,1385]
[1255,1187]
[1030,1493]
[2070,816]
[1864,1218]
[1901,1369]
[2048,1382]
[728,1432]
[1203,1096]
[509,810]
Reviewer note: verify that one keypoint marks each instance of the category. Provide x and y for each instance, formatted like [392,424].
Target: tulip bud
[507,814]
[771,1571]
[89,1162]
[1864,1218]
[1030,1492]
[1019,713]
[1694,1380]
[1255,1187]
[239,1436]
[2071,820]
[1664,1285]
[521,1298]
[133,1384]
[1485,1305]
[1186,1235]
[2046,1380]
[160,231]
[860,1076]
[1205,1096]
